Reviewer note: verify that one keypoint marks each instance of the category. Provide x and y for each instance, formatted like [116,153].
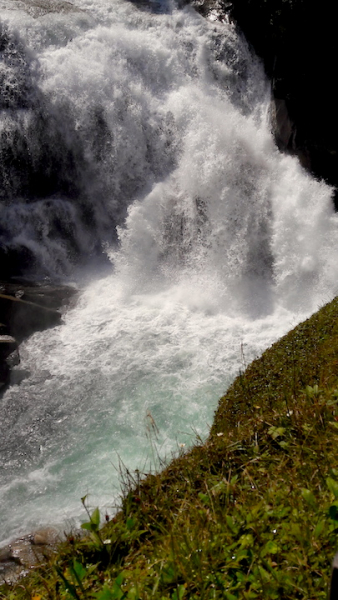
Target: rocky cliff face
[298,43]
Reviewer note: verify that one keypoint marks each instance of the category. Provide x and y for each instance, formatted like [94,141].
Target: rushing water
[145,133]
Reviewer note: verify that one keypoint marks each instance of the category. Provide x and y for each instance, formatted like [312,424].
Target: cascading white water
[223,243]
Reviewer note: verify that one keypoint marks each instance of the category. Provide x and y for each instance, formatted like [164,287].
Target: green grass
[252,513]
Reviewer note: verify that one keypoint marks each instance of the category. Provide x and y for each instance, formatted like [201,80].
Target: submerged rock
[48,296]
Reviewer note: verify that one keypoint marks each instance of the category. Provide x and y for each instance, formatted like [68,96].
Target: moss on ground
[252,513]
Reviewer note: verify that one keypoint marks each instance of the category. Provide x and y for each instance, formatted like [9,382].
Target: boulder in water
[23,317]
[24,309]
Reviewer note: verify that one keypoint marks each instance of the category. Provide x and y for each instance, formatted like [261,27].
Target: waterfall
[141,133]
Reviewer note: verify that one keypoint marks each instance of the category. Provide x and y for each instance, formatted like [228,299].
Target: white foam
[226,245]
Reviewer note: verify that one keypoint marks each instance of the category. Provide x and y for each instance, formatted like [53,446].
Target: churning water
[146,133]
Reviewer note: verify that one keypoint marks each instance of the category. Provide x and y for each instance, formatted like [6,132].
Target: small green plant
[93,525]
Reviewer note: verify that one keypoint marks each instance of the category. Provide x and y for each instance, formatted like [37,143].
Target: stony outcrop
[26,552]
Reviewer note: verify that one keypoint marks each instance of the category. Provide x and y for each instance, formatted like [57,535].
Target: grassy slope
[252,513]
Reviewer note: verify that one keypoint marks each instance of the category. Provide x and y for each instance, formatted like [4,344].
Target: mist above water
[149,139]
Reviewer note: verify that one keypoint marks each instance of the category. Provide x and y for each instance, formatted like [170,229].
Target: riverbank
[251,513]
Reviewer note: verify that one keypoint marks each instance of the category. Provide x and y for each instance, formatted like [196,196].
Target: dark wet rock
[5,373]
[13,359]
[49,296]
[283,126]
[25,317]
[24,309]
[15,260]
[8,345]
[297,42]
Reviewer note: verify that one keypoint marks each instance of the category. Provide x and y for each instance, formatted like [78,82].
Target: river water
[144,132]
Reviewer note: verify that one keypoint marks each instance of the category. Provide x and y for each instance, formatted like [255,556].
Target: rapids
[146,135]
